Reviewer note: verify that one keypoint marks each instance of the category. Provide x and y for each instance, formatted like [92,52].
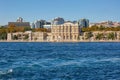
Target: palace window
[53,37]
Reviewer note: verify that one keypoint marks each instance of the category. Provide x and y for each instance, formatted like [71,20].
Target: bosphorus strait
[60,61]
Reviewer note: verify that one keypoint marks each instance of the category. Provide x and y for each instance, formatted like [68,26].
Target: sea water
[59,61]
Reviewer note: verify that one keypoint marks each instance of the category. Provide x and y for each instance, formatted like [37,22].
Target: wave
[68,63]
[29,50]
[109,59]
[6,72]
[81,62]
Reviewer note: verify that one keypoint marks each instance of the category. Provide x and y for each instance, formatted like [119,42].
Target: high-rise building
[83,23]
[58,21]
[38,24]
[42,22]
[32,25]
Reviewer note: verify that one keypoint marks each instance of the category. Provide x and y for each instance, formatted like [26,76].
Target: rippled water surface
[59,61]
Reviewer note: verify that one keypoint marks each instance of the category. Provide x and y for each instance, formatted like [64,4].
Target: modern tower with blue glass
[58,21]
[38,24]
[83,23]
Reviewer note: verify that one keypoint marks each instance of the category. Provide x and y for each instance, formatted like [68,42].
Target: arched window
[67,37]
[63,37]
[53,37]
[71,37]
[75,36]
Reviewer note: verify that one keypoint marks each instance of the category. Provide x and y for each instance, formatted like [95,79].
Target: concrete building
[47,26]
[83,23]
[29,36]
[39,36]
[20,36]
[19,23]
[65,32]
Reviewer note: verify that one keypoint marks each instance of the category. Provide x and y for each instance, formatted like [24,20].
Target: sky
[31,10]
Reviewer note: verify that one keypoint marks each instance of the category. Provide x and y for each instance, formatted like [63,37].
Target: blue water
[59,61]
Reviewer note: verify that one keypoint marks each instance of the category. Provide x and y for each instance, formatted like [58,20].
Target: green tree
[27,29]
[26,36]
[111,36]
[15,37]
[101,28]
[3,36]
[88,35]
[99,36]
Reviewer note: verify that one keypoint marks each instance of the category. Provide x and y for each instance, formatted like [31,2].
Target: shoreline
[61,41]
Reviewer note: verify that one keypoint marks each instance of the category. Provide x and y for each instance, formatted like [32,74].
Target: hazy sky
[30,10]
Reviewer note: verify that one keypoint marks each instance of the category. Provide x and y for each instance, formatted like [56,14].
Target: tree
[15,37]
[101,28]
[2,27]
[99,36]
[26,36]
[3,34]
[40,30]
[27,29]
[111,36]
[11,28]
[88,35]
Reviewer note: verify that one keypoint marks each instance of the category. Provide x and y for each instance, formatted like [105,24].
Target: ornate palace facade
[65,32]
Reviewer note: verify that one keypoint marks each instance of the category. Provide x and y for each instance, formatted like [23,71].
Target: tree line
[12,29]
[100,28]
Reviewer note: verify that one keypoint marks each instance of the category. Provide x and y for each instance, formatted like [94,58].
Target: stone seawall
[60,41]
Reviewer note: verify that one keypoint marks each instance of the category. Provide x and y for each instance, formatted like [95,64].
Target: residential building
[106,24]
